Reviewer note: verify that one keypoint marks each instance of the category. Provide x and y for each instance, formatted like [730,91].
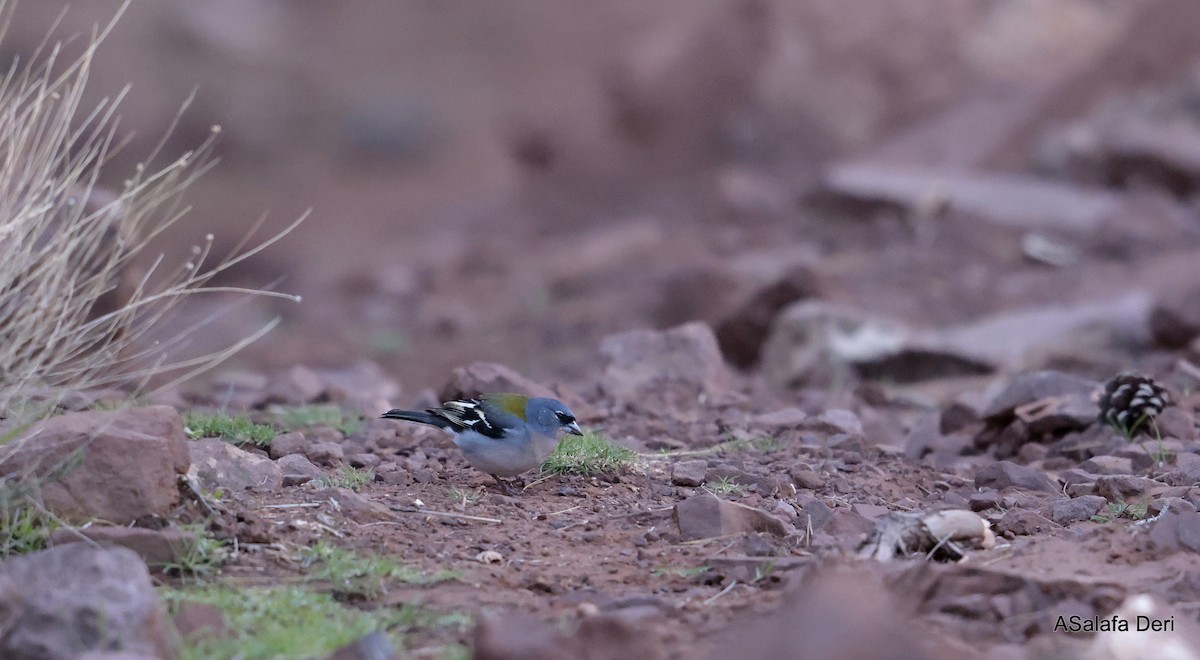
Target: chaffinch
[501,434]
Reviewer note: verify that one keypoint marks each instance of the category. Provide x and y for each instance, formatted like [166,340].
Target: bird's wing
[472,414]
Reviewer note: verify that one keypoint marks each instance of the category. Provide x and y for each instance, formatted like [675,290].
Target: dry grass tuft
[74,312]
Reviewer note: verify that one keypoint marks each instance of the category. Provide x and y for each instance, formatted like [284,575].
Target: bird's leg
[505,487]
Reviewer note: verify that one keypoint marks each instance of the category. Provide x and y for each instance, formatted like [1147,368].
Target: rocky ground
[869,403]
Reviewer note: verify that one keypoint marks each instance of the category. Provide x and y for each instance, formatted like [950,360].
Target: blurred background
[513,181]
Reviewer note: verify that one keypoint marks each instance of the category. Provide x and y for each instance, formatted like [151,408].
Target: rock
[957,415]
[1065,512]
[1024,522]
[806,477]
[327,454]
[815,342]
[781,420]
[363,386]
[488,377]
[355,506]
[741,336]
[364,461]
[705,516]
[156,547]
[680,364]
[688,473]
[837,420]
[123,465]
[284,444]
[393,474]
[297,469]
[1006,474]
[1175,319]
[1107,465]
[1036,386]
[1173,532]
[1175,422]
[1008,339]
[296,385]
[599,637]
[216,464]
[1010,200]
[71,599]
[372,646]
[1120,487]
[1184,475]
[195,621]
[833,613]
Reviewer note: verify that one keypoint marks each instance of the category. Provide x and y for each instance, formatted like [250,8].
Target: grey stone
[1075,509]
[1120,487]
[1006,474]
[216,464]
[1107,465]
[297,470]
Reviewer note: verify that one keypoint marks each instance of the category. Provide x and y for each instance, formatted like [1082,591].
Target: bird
[500,434]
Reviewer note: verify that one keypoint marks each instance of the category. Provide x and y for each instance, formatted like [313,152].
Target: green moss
[588,454]
[237,429]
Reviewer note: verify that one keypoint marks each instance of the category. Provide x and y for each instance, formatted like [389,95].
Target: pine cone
[1130,402]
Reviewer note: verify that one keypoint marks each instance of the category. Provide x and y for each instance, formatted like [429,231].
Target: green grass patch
[725,486]
[237,429]
[1117,510]
[588,454]
[24,526]
[348,477]
[201,557]
[303,417]
[351,573]
[679,571]
[291,622]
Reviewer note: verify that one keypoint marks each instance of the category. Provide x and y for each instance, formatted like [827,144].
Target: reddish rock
[372,646]
[200,621]
[680,364]
[1024,522]
[598,637]
[68,600]
[831,615]
[705,516]
[688,473]
[327,454]
[1175,319]
[283,444]
[156,547]
[115,465]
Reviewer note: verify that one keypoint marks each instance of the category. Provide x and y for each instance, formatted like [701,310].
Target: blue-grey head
[550,417]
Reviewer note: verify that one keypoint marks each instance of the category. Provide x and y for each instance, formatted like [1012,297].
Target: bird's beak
[573,428]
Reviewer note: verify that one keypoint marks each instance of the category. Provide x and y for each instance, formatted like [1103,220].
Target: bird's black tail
[418,417]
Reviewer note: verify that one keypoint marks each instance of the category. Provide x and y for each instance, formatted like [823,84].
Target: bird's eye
[564,418]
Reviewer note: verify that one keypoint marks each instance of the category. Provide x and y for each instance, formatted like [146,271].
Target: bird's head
[551,416]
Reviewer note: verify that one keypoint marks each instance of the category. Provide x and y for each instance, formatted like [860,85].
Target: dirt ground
[986,199]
